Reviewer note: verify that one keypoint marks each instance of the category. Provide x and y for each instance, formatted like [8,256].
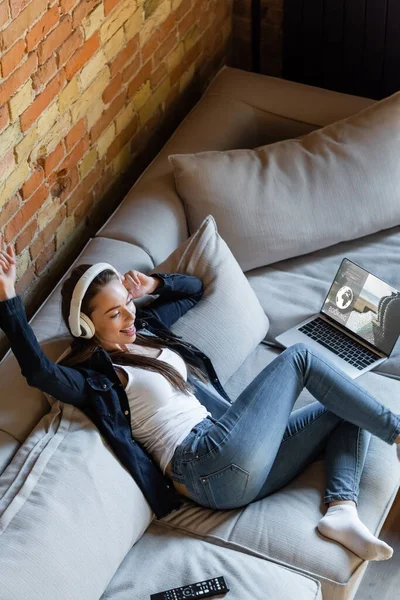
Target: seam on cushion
[10,434]
[270,112]
[32,478]
[235,547]
[218,541]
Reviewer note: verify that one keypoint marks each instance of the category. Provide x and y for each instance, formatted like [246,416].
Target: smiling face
[113,311]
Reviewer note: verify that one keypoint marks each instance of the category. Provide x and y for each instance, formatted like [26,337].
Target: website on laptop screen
[365,305]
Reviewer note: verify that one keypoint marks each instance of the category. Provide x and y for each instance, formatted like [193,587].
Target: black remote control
[201,589]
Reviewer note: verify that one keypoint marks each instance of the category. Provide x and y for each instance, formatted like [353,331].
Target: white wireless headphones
[80,324]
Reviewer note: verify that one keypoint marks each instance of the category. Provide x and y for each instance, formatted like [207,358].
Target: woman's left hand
[139,284]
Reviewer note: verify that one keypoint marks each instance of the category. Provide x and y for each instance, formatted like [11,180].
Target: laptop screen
[364,305]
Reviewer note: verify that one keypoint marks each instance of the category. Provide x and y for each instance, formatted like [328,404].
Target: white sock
[341,523]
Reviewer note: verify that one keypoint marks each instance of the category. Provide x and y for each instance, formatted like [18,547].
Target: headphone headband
[78,320]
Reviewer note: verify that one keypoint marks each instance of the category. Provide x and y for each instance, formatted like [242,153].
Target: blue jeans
[259,444]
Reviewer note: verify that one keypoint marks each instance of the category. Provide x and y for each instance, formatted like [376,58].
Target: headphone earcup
[87,326]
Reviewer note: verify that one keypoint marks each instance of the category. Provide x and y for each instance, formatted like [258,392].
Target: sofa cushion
[181,560]
[228,322]
[69,511]
[292,197]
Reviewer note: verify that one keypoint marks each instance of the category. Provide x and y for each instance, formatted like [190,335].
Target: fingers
[7,258]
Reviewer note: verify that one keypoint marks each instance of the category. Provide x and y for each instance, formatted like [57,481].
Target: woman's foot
[341,523]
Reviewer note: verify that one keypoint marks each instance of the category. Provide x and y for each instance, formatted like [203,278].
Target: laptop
[356,328]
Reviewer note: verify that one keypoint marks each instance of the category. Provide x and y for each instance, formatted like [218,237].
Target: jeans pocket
[226,487]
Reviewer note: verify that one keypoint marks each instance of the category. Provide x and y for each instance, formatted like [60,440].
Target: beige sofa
[269,549]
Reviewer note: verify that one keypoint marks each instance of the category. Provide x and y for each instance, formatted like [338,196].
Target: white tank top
[161,416]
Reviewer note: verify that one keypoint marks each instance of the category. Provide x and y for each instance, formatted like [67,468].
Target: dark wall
[351,46]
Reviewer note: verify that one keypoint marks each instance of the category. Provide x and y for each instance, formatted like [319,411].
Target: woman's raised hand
[139,284]
[8,273]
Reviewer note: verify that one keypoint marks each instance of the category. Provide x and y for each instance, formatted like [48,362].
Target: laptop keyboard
[345,347]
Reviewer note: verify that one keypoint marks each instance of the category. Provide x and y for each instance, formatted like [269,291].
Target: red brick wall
[89,89]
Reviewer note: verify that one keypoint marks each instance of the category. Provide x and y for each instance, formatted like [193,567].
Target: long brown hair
[82,349]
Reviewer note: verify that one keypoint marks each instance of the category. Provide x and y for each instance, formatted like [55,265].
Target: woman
[258,444]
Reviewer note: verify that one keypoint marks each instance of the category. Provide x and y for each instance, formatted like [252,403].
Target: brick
[122,161]
[24,282]
[126,55]
[8,138]
[13,183]
[112,90]
[107,116]
[53,160]
[132,69]
[82,55]
[4,17]
[63,183]
[91,69]
[20,24]
[76,133]
[9,210]
[16,6]
[54,40]
[32,183]
[113,47]
[133,25]
[152,23]
[67,5]
[167,26]
[25,237]
[109,5]
[90,95]
[25,213]
[92,22]
[187,22]
[7,165]
[18,78]
[116,19]
[40,30]
[71,45]
[64,231]
[150,6]
[150,46]
[4,117]
[47,233]
[24,147]
[123,138]
[44,73]
[45,257]
[140,78]
[81,11]
[21,100]
[47,212]
[183,9]
[22,263]
[105,140]
[83,208]
[12,58]
[158,75]
[75,156]
[69,95]
[84,188]
[88,162]
[42,101]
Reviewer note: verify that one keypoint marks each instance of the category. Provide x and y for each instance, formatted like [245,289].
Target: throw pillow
[229,321]
[69,511]
[292,197]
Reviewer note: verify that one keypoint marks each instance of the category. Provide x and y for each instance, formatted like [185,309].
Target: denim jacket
[94,386]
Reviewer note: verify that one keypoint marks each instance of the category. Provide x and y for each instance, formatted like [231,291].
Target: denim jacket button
[144,324]
[215,378]
[104,385]
[126,412]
